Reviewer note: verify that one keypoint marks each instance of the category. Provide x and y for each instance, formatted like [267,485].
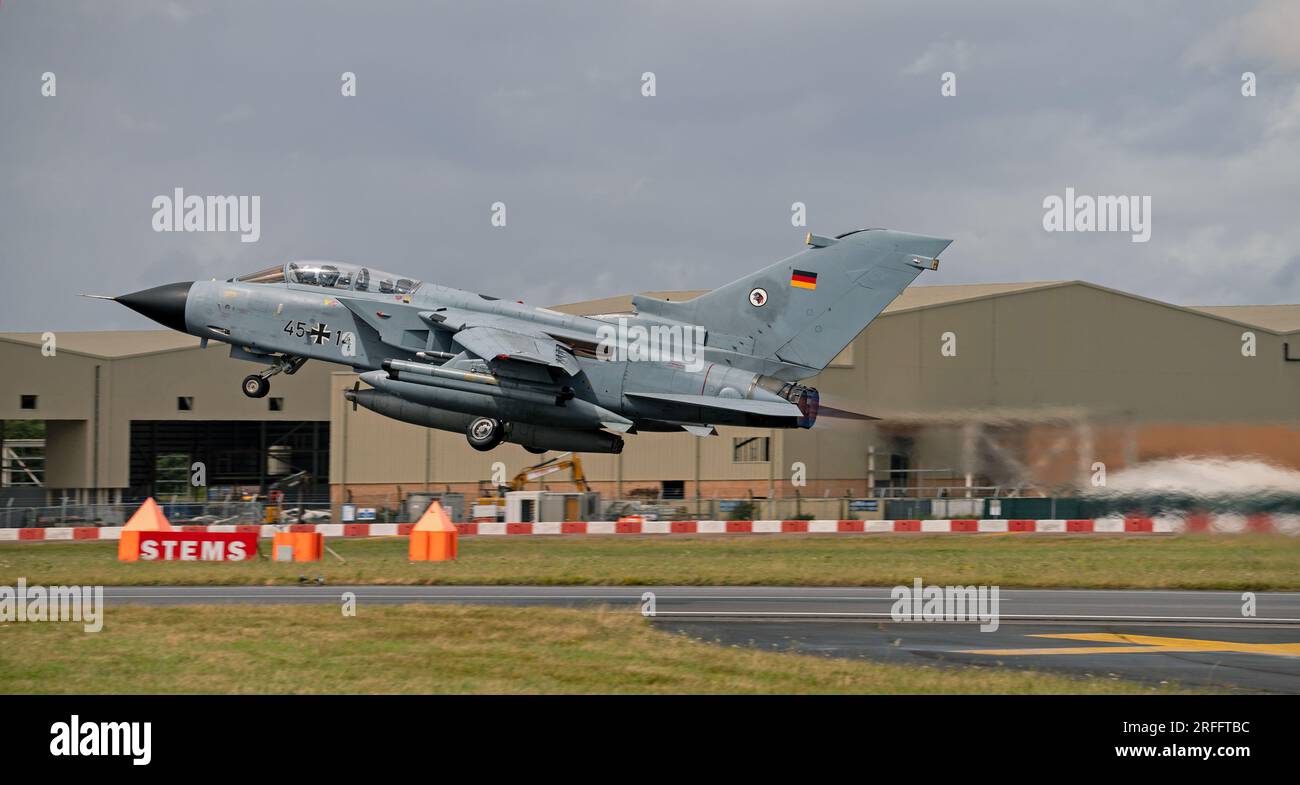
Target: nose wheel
[256,387]
[485,433]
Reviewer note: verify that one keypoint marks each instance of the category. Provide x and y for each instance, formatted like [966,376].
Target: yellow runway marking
[1140,644]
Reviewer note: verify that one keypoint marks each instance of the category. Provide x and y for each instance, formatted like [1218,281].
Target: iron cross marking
[320,333]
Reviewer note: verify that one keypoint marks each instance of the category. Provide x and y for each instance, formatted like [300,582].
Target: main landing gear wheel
[535,450]
[256,387]
[485,433]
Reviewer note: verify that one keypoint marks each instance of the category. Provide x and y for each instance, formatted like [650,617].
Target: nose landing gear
[257,385]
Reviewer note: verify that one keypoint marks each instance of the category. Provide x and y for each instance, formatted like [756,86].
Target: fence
[179,513]
[750,509]
[979,508]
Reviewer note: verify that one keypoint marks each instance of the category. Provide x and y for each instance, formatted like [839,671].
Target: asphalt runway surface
[1194,638]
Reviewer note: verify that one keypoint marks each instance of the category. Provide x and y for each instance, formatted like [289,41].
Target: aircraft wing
[494,338]
[496,344]
[744,405]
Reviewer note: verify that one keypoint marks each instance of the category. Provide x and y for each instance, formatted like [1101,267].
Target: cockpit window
[384,283]
[336,275]
[304,273]
[327,275]
[269,275]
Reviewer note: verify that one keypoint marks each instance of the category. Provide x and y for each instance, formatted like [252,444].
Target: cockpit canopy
[334,275]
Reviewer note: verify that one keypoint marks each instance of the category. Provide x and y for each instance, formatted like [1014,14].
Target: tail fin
[804,310]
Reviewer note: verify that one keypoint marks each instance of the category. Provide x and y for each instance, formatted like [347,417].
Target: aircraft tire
[255,386]
[485,433]
[535,450]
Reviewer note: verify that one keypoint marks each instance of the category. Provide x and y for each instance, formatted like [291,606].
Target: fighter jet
[500,371]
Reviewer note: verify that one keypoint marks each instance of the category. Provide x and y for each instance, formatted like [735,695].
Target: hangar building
[126,413]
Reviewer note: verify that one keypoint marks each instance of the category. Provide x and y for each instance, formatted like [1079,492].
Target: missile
[397,367]
[435,355]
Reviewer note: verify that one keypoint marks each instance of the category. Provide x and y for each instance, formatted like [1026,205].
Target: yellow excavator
[496,495]
[565,460]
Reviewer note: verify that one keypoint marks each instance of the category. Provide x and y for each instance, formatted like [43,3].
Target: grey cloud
[538,106]
[1262,37]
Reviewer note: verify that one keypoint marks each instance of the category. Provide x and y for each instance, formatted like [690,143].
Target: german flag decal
[803,280]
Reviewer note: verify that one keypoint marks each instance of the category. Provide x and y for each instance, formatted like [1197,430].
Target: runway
[1195,638]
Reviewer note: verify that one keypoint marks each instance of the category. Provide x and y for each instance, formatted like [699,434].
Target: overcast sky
[539,105]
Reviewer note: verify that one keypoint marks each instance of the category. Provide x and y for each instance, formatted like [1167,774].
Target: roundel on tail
[758,297]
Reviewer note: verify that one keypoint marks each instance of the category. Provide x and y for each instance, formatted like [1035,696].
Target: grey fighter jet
[498,370]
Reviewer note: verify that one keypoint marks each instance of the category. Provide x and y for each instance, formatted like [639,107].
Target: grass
[415,649]
[1240,562]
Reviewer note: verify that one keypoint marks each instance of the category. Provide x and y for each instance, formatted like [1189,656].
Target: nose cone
[164,304]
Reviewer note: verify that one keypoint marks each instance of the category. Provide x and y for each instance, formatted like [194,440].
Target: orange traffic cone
[149,518]
[433,538]
[297,546]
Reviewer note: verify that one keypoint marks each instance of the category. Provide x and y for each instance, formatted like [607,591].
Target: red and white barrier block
[1209,523]
[1220,524]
